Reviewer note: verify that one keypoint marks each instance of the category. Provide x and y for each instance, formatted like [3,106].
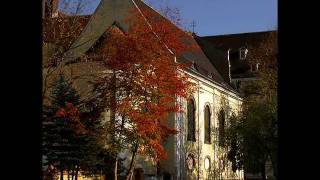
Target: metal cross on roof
[193,25]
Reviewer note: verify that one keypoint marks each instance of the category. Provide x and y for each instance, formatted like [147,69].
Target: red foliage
[71,113]
[148,80]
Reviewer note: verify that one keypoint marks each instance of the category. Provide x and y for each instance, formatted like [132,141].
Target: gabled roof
[196,55]
[109,11]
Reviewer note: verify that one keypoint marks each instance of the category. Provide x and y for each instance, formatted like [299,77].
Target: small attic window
[210,75]
[257,66]
[243,53]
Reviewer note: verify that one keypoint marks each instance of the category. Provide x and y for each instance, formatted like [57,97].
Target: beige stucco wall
[210,94]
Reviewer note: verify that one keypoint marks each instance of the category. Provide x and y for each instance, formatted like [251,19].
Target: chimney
[50,8]
[55,6]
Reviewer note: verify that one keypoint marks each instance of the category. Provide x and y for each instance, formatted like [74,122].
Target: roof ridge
[254,32]
[151,25]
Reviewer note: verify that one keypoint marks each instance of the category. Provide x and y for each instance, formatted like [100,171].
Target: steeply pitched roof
[110,11]
[235,41]
[216,56]
[232,42]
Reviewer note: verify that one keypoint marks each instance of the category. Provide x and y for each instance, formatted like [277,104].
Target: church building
[197,151]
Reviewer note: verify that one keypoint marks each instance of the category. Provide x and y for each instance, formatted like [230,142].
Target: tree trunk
[131,175]
[116,170]
[72,174]
[68,175]
[77,171]
[113,120]
[131,167]
[61,174]
[263,171]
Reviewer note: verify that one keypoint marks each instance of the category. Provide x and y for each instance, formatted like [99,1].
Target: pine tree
[61,142]
[62,93]
[73,133]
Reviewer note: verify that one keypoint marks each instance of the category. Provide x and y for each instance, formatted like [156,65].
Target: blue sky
[215,17]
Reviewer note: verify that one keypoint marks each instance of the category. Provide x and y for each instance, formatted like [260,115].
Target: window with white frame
[257,66]
[243,53]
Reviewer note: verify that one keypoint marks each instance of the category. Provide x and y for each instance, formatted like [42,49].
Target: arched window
[191,120]
[207,125]
[222,120]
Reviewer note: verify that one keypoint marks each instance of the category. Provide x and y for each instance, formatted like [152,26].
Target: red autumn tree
[143,82]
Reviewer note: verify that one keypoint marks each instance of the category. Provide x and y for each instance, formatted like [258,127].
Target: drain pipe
[198,130]
[214,135]
[229,65]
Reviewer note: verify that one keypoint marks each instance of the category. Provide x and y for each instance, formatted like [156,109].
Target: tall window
[191,120]
[207,125]
[222,122]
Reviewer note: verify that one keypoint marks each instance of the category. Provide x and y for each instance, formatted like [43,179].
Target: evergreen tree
[73,135]
[61,142]
[62,93]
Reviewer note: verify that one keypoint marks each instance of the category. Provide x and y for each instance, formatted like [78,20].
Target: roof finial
[193,25]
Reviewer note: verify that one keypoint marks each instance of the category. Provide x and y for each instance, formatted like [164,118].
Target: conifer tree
[62,137]
[73,135]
